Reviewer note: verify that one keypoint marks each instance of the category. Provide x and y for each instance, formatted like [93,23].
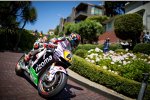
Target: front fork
[53,70]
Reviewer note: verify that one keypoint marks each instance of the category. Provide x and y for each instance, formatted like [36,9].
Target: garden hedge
[142,48]
[100,46]
[96,74]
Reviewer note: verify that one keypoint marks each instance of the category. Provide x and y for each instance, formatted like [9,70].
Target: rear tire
[54,87]
[18,69]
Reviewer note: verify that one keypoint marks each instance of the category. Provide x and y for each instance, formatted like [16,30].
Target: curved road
[13,87]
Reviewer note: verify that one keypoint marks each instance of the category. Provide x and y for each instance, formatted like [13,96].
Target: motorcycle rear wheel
[18,68]
[49,89]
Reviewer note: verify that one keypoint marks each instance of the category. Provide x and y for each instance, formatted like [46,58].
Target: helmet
[74,39]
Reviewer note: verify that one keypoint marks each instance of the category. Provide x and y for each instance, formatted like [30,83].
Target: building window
[96,11]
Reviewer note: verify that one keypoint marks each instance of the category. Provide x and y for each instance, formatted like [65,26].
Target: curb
[113,95]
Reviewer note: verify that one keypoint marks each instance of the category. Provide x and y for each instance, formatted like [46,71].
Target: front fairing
[63,51]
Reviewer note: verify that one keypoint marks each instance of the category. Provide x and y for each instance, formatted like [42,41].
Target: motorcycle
[48,70]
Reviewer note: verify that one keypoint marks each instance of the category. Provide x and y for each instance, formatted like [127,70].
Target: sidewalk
[96,87]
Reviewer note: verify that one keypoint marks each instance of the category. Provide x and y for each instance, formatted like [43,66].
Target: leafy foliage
[69,28]
[114,7]
[81,52]
[27,40]
[129,26]
[92,46]
[89,30]
[12,15]
[56,31]
[94,73]
[142,48]
[9,37]
[98,19]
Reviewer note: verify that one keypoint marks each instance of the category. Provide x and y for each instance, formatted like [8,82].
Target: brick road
[13,87]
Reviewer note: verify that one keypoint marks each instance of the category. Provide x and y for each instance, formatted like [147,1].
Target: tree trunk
[16,47]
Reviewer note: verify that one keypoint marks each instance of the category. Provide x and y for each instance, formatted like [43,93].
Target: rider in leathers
[73,39]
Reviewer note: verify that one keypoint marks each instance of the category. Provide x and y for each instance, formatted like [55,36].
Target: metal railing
[143,86]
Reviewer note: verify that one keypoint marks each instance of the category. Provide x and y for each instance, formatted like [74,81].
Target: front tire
[49,89]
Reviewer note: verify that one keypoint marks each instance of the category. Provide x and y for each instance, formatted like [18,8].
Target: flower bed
[123,63]
[99,75]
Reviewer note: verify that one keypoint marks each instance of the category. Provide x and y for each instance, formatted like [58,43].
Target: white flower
[146,55]
[116,73]
[113,71]
[127,49]
[86,58]
[111,51]
[129,62]
[119,65]
[145,60]
[124,62]
[92,61]
[104,67]
[97,59]
[101,50]
[90,50]
[112,63]
[97,49]
[89,60]
[109,70]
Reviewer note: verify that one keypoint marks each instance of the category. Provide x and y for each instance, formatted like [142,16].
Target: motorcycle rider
[73,39]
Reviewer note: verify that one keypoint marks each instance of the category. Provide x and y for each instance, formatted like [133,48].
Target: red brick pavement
[13,87]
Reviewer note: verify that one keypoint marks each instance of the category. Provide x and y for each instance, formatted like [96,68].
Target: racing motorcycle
[48,70]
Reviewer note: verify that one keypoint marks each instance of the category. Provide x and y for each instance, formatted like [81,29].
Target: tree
[99,19]
[114,7]
[69,28]
[12,14]
[89,30]
[29,15]
[56,31]
[129,26]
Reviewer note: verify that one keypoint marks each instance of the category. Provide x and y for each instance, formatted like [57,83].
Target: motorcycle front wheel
[48,89]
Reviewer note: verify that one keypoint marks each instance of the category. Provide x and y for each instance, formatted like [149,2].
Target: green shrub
[10,37]
[26,41]
[120,50]
[100,46]
[81,52]
[115,46]
[89,46]
[142,48]
[135,69]
[128,26]
[122,85]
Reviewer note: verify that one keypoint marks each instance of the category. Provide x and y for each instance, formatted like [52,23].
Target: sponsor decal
[42,64]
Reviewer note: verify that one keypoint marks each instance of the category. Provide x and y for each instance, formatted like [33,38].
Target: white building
[142,8]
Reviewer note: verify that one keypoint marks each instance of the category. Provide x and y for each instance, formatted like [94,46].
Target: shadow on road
[67,93]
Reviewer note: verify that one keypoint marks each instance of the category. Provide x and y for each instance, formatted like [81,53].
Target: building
[142,8]
[109,32]
[81,12]
[51,32]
